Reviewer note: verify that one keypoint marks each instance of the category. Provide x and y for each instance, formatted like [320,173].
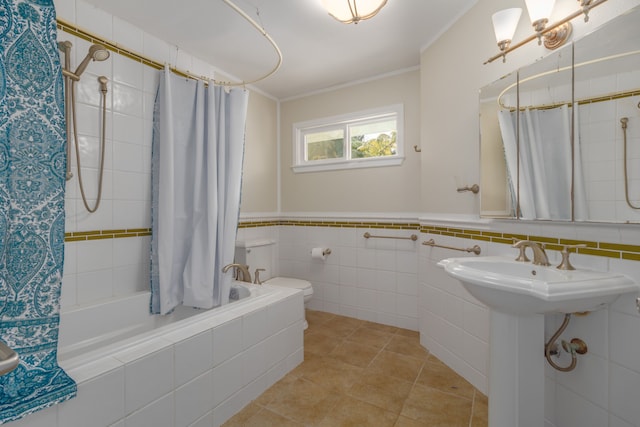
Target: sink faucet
[242,271]
[539,255]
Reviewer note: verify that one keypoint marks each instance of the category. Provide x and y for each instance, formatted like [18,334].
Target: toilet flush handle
[256,276]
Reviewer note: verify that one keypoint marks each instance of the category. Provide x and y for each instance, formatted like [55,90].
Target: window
[366,139]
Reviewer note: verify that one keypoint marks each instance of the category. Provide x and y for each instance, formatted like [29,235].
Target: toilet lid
[289,282]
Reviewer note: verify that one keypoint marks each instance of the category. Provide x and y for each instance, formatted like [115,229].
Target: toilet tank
[259,253]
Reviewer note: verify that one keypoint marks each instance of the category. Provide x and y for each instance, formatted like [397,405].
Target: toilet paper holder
[325,251]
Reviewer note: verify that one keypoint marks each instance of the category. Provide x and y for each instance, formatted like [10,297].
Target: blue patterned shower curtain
[32,170]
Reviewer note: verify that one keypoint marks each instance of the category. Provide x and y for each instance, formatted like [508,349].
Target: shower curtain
[545,161]
[198,149]
[32,170]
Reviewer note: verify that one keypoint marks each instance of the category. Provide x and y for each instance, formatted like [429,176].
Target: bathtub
[190,368]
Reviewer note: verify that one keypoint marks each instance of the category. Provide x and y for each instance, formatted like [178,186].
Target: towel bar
[368,235]
[475,249]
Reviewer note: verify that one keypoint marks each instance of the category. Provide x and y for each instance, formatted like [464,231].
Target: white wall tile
[159,413]
[148,378]
[625,340]
[227,379]
[193,357]
[99,403]
[572,410]
[227,341]
[193,400]
[44,418]
[254,327]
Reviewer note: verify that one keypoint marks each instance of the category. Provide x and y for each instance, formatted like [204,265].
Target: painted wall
[386,189]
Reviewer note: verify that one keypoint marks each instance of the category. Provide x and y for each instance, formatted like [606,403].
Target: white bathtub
[191,368]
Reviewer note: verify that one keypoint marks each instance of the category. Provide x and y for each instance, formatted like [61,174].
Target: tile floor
[358,373]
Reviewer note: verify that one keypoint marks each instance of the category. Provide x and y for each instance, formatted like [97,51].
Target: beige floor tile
[437,409]
[340,326]
[359,373]
[380,327]
[276,390]
[372,337]
[407,346]
[408,422]
[480,414]
[320,343]
[397,365]
[439,376]
[350,412]
[240,419]
[354,353]
[332,374]
[409,333]
[266,418]
[382,390]
[304,402]
[317,318]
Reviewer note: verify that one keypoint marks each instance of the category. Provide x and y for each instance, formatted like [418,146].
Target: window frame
[344,121]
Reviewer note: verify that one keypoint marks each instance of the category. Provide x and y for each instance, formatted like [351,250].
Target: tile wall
[370,279]
[602,146]
[114,261]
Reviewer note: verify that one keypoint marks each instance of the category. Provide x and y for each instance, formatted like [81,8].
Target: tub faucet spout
[242,271]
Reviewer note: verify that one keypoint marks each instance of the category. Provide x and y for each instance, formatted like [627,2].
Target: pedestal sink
[519,295]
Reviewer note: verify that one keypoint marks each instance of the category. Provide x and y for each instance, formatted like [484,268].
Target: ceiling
[318,51]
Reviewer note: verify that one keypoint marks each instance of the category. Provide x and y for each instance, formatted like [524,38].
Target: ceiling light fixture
[353,11]
[505,23]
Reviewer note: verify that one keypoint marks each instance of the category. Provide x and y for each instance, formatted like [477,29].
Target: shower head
[97,52]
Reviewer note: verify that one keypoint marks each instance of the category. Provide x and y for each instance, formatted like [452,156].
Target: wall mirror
[558,127]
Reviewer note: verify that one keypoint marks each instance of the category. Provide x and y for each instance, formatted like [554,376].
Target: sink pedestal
[516,370]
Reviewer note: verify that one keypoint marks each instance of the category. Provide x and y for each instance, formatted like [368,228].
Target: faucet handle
[566,251]
[522,245]
[256,279]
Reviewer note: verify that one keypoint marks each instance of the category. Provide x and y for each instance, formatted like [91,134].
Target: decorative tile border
[602,249]
[337,224]
[79,236]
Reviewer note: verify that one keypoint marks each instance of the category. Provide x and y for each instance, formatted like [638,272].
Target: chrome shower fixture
[97,52]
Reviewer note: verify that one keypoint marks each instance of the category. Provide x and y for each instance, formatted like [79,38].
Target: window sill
[347,164]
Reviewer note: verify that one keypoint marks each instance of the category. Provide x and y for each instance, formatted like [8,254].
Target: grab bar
[9,359]
[367,235]
[475,249]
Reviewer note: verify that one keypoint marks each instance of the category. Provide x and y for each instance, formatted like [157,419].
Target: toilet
[260,254]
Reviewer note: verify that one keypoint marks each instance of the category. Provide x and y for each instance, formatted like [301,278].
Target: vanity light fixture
[553,36]
[504,25]
[353,11]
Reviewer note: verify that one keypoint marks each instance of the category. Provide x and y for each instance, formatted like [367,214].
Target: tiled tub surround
[198,371]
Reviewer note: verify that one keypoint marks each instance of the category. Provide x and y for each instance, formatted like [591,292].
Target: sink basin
[521,288]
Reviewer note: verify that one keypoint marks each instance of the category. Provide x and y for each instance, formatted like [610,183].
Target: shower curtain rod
[593,100]
[74,30]
[609,97]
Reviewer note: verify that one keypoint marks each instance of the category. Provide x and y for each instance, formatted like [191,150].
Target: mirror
[533,159]
[607,90]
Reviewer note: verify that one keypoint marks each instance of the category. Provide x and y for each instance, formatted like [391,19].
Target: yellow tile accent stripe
[602,249]
[81,236]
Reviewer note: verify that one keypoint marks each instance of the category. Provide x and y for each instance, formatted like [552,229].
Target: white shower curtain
[545,161]
[198,149]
